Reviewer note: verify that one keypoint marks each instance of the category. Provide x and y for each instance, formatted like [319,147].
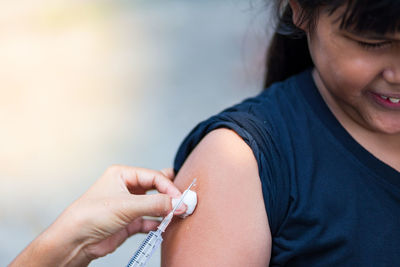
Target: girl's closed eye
[367,45]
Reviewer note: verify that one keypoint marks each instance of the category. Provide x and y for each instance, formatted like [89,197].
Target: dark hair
[288,52]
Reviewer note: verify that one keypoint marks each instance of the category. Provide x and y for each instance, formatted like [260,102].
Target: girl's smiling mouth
[390,101]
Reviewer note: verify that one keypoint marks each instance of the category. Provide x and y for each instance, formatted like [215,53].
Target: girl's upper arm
[229,226]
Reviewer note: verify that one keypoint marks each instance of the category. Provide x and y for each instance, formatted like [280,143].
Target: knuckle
[124,210]
[114,168]
[164,205]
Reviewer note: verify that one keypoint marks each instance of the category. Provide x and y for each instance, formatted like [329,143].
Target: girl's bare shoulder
[229,226]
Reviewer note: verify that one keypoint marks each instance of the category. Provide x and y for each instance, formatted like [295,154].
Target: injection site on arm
[229,226]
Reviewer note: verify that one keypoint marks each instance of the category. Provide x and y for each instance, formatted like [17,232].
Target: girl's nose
[392,75]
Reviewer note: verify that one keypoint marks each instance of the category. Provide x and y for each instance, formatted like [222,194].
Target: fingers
[149,225]
[149,179]
[141,225]
[150,205]
[169,173]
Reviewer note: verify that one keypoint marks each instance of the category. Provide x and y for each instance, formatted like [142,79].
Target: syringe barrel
[146,249]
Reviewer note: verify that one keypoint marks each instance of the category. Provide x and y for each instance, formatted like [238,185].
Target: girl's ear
[297,10]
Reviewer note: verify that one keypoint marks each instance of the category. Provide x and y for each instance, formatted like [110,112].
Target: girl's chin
[381,121]
[389,128]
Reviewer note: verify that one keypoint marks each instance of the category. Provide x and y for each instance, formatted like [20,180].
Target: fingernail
[182,207]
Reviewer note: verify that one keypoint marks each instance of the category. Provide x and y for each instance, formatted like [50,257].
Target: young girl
[308,172]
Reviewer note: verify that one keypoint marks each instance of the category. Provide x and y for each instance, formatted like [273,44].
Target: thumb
[149,205]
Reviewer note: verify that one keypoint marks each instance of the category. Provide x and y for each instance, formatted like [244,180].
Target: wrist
[58,245]
[48,249]
[64,240]
[63,247]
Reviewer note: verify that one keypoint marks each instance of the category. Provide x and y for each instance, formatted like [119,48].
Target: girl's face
[358,75]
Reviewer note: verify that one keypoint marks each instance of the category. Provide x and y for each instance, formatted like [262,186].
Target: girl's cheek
[357,73]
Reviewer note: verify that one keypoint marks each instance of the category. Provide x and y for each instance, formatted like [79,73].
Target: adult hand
[103,218]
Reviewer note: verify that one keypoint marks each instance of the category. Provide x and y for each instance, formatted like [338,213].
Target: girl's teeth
[394,100]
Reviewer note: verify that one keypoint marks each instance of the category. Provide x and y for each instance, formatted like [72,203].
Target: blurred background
[89,83]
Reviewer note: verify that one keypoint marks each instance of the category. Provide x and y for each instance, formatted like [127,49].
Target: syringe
[153,239]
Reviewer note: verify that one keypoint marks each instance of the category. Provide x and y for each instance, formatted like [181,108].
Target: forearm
[56,246]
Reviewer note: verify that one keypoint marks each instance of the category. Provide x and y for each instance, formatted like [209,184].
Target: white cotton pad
[190,200]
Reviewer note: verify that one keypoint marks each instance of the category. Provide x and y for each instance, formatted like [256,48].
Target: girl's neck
[383,146]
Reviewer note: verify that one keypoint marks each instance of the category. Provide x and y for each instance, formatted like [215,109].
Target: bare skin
[229,226]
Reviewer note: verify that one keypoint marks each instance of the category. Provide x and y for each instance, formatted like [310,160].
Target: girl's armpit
[229,226]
